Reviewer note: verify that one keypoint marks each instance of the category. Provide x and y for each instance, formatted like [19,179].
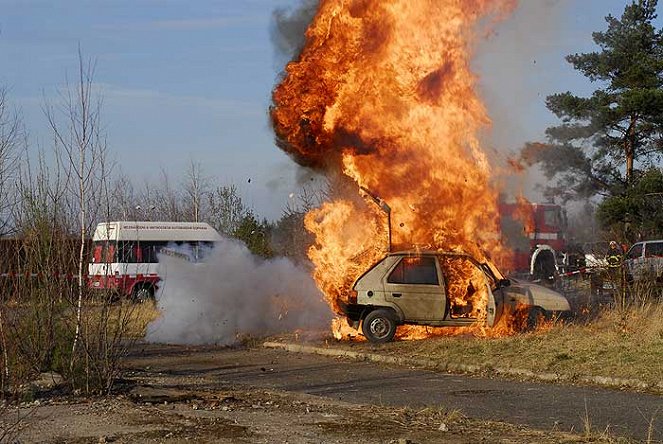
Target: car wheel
[379,326]
[143,294]
[535,315]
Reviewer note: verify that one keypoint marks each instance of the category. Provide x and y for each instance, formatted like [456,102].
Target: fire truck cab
[536,235]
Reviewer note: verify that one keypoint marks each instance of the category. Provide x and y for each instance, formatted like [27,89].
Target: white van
[124,254]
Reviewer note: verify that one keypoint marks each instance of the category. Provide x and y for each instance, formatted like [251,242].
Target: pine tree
[606,140]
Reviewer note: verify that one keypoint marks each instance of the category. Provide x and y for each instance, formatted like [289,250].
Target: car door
[495,283]
[472,289]
[414,284]
[653,258]
[495,306]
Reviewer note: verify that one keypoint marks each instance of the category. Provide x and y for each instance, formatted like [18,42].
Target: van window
[97,252]
[654,249]
[103,252]
[415,270]
[136,252]
[635,251]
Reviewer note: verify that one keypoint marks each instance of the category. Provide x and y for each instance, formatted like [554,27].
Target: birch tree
[81,147]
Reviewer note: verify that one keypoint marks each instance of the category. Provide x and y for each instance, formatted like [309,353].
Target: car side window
[635,251]
[654,249]
[415,270]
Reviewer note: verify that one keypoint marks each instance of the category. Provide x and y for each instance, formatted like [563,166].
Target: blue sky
[190,80]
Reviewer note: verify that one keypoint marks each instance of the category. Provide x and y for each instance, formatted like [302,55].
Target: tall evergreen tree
[605,140]
[638,213]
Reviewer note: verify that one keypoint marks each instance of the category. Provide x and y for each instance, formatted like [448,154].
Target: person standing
[615,255]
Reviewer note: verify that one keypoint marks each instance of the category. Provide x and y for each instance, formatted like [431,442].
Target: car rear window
[415,270]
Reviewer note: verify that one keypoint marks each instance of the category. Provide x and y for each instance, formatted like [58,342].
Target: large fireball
[383,95]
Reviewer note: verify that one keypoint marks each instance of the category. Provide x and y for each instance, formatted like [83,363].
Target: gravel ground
[181,394]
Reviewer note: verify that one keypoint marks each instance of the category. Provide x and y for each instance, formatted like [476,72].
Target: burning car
[440,289]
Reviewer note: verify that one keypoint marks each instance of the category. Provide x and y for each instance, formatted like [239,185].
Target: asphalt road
[540,405]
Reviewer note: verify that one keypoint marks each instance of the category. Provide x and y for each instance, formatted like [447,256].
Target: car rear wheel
[379,326]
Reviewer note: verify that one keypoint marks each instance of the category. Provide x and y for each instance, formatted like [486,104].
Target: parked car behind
[644,260]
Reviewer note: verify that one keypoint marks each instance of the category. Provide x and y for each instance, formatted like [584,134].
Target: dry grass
[131,318]
[38,338]
[625,344]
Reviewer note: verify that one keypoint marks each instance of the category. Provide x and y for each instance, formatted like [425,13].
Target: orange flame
[524,214]
[382,94]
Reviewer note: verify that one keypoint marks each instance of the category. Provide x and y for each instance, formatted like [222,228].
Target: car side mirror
[504,283]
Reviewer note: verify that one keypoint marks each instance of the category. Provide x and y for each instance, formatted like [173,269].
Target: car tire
[143,294]
[534,316]
[379,326]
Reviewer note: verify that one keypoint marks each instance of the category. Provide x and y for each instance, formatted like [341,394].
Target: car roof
[430,253]
[653,241]
[417,253]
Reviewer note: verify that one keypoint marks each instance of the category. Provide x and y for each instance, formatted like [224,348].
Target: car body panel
[645,259]
[524,293]
[415,303]
[418,302]
[428,304]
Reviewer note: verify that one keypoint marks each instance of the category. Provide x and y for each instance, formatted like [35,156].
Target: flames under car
[440,289]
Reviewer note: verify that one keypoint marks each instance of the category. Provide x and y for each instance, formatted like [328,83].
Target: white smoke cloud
[233,293]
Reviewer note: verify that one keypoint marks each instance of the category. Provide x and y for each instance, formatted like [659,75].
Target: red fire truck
[536,234]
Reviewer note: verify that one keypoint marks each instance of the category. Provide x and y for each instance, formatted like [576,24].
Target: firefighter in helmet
[614,255]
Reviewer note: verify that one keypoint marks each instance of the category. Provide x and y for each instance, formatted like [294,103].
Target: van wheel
[379,326]
[143,294]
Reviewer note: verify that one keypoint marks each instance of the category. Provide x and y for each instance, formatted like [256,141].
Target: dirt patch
[260,417]
[162,399]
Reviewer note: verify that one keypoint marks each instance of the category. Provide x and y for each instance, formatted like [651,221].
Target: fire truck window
[148,253]
[415,270]
[120,252]
[654,249]
[635,251]
[154,250]
[551,217]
